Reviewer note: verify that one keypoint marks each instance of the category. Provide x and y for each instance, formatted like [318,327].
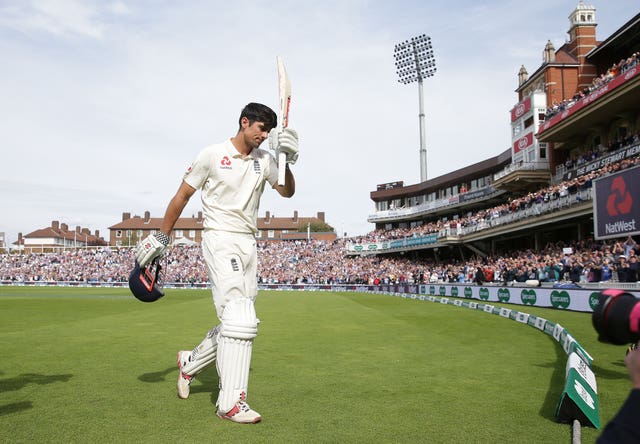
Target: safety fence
[558,297]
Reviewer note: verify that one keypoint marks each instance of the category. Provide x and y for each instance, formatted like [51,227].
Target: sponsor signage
[504,295]
[575,362]
[521,109]
[627,153]
[523,143]
[560,299]
[528,296]
[477,194]
[616,207]
[578,401]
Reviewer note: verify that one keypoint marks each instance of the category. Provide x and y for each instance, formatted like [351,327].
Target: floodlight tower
[414,62]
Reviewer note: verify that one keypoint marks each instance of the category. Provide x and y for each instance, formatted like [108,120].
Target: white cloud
[58,17]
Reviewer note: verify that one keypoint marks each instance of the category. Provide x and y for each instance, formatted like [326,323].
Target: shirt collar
[234,153]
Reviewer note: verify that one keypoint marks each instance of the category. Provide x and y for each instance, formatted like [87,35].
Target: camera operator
[624,427]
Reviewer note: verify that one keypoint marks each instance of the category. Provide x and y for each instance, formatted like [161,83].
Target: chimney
[86,231]
[321,215]
[64,227]
[295,216]
[126,216]
[199,216]
[78,229]
[267,216]
[147,217]
[523,75]
[20,241]
[549,53]
[55,224]
[97,234]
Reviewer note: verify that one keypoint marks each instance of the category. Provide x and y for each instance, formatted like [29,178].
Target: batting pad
[203,355]
[239,327]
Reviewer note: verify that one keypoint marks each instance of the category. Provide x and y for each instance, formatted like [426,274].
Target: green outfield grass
[96,365]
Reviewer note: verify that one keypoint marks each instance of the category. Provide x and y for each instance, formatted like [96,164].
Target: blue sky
[106,103]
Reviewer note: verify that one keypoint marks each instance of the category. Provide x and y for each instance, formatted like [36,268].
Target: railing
[628,151]
[520,166]
[536,209]
[481,193]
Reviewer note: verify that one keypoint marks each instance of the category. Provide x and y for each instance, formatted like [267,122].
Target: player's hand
[150,248]
[632,361]
[285,141]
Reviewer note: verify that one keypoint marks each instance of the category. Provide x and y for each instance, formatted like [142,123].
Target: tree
[316,227]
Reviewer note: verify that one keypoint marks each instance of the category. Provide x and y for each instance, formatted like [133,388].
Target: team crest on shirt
[225,163]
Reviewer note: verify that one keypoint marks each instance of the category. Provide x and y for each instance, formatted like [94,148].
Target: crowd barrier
[574,299]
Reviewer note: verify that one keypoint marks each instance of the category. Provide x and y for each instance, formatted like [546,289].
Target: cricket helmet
[143,282]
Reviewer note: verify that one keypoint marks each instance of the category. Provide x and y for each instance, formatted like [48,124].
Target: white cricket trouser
[232,263]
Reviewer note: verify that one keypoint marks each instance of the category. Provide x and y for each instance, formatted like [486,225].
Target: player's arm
[289,187]
[154,245]
[175,207]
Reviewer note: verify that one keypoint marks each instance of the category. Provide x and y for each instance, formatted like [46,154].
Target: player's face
[255,133]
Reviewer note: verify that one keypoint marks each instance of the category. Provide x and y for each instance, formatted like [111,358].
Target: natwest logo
[619,201]
[616,207]
[225,163]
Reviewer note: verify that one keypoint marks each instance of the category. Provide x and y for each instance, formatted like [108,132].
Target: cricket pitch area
[96,365]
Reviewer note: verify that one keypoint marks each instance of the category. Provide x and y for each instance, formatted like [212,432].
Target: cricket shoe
[184,380]
[241,413]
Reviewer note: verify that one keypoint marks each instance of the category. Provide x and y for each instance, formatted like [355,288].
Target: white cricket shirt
[231,186]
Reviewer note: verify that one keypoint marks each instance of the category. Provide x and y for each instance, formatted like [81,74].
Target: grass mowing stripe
[327,367]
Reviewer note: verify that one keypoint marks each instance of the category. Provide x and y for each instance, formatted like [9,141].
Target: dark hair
[257,112]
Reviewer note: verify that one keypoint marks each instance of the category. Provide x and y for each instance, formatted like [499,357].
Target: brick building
[58,237]
[563,73]
[189,229]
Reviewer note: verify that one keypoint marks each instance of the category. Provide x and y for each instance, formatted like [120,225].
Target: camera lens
[617,317]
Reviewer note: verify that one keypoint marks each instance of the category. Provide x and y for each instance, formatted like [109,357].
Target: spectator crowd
[324,262]
[612,72]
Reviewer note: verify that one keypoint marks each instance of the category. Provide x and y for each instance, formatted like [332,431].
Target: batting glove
[285,141]
[150,248]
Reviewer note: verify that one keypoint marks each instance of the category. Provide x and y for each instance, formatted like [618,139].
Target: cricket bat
[284,92]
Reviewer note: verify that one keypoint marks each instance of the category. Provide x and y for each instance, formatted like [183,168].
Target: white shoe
[241,413]
[183,380]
